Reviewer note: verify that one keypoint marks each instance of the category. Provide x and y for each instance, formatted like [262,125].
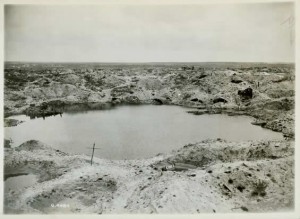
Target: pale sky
[150,33]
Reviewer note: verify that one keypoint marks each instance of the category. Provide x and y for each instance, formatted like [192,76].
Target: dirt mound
[32,145]
[70,79]
[150,83]
[11,122]
[132,100]
[236,79]
[213,151]
[54,90]
[49,108]
[84,192]
[255,185]
[111,81]
[282,104]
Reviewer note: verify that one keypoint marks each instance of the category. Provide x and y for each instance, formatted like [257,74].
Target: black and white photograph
[149,108]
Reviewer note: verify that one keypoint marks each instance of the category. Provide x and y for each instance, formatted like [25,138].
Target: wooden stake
[93,153]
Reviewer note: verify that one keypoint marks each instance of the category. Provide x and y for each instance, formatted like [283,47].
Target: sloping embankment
[217,176]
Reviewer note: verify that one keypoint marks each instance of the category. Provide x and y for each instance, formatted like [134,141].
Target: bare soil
[209,176]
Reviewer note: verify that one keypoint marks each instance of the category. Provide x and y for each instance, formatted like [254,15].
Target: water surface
[129,132]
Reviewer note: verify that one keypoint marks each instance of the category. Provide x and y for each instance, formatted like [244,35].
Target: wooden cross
[93,153]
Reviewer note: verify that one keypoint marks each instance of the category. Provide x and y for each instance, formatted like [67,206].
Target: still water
[129,132]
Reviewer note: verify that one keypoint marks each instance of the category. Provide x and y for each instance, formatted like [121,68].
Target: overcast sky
[149,33]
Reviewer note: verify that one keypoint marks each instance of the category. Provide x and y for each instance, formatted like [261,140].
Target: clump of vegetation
[259,188]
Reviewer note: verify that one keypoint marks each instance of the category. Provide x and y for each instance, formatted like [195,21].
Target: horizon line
[150,62]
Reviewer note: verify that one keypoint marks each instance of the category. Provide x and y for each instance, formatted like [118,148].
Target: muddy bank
[214,176]
[11,122]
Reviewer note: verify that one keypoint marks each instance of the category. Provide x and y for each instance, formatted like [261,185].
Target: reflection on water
[129,132]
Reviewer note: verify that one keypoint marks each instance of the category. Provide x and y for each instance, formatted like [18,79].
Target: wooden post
[93,154]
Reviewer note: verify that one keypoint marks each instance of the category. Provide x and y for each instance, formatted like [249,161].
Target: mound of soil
[210,176]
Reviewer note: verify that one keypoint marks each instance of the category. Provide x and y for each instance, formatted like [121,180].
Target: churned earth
[209,176]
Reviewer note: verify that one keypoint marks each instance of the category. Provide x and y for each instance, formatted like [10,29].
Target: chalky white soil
[223,178]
